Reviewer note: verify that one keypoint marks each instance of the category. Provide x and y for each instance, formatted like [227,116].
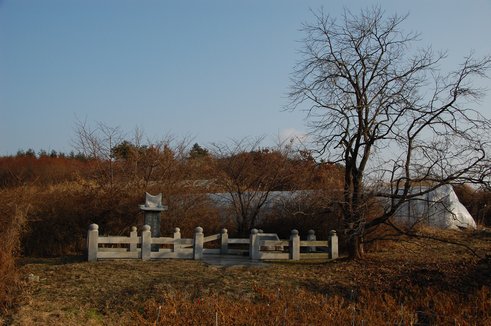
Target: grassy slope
[405,283]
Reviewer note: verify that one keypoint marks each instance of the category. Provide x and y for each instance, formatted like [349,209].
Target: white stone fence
[261,246]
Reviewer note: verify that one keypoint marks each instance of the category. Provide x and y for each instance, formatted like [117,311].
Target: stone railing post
[294,246]
[92,242]
[146,242]
[198,243]
[177,235]
[333,245]
[133,237]
[311,237]
[224,242]
[254,245]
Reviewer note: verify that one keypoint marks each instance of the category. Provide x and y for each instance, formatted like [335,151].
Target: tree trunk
[355,247]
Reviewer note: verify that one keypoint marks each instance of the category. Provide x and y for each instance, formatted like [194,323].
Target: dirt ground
[71,291]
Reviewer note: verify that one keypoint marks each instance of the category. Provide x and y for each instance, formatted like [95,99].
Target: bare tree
[97,143]
[383,109]
[247,175]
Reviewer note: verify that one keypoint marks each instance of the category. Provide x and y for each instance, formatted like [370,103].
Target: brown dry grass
[14,206]
[407,283]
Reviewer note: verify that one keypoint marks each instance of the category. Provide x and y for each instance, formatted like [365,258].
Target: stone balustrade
[261,246]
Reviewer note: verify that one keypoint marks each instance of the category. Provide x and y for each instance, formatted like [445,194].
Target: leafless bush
[14,205]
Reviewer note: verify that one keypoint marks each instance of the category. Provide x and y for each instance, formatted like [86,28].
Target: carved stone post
[146,242]
[133,237]
[177,236]
[311,237]
[333,245]
[92,242]
[224,242]
[254,245]
[294,246]
[198,243]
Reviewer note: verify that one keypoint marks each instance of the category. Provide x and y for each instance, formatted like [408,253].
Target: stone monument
[152,210]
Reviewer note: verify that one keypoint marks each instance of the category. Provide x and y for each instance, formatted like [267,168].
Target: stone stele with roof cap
[152,210]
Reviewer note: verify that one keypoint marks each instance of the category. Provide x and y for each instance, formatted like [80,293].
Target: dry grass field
[403,282]
[406,282]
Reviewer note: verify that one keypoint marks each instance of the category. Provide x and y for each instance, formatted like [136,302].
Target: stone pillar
[333,245]
[254,245]
[198,243]
[224,242]
[294,246]
[146,242]
[152,211]
[177,236]
[92,242]
[133,237]
[311,237]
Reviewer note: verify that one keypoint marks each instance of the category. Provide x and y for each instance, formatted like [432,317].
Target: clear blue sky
[212,70]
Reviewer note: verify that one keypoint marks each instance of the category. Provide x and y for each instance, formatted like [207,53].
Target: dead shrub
[293,307]
[14,205]
[304,211]
[61,214]
[477,202]
[188,211]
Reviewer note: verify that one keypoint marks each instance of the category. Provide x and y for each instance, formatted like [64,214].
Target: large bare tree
[383,109]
